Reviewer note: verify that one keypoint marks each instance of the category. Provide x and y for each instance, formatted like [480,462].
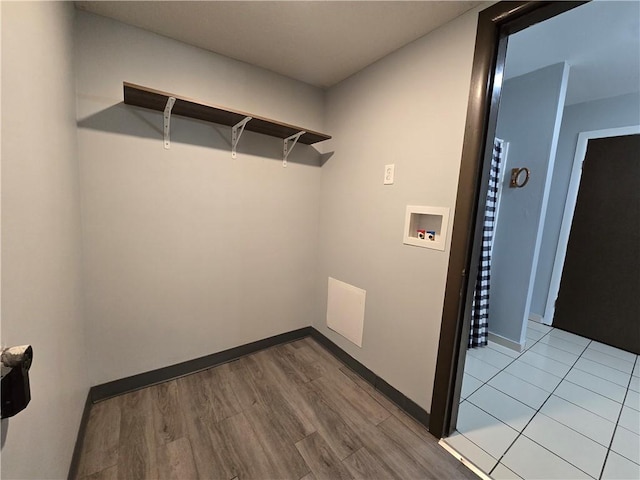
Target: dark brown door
[599,295]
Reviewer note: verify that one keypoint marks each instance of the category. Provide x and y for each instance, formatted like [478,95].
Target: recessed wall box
[426,226]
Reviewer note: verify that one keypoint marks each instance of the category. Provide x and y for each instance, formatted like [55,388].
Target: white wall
[619,111]
[188,252]
[408,109]
[533,139]
[41,250]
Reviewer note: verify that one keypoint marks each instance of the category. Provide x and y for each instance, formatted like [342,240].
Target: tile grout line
[620,360]
[615,430]
[486,383]
[586,410]
[594,392]
[555,348]
[590,373]
[463,459]
[500,370]
[483,383]
[563,378]
[614,356]
[538,411]
[471,441]
[578,368]
[560,348]
[586,347]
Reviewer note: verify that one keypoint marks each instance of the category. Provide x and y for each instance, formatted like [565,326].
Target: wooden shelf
[186,107]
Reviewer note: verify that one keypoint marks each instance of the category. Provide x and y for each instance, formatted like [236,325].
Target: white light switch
[388,174]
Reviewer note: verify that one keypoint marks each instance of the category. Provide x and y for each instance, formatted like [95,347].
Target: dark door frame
[495,24]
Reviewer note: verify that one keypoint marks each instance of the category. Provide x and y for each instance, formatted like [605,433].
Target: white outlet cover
[389,171]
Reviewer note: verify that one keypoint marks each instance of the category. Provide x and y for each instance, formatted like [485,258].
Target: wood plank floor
[290,412]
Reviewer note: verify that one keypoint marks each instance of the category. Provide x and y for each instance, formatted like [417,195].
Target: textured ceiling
[317,42]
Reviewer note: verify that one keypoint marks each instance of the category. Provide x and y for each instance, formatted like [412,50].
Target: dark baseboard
[154,377]
[75,459]
[410,407]
[147,379]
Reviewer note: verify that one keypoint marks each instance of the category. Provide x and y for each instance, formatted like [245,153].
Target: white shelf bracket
[287,148]
[167,121]
[236,133]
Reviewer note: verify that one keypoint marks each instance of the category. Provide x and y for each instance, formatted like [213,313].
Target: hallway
[566,407]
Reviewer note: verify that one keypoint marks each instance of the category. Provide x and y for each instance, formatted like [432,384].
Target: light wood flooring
[290,412]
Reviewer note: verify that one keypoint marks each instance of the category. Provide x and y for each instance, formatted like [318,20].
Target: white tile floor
[567,407]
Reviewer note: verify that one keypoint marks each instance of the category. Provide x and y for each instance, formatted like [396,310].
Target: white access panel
[345,310]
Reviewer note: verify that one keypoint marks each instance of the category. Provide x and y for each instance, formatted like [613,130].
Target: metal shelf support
[287,149]
[167,122]
[236,133]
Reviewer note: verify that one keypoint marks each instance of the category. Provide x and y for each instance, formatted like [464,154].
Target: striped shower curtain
[480,307]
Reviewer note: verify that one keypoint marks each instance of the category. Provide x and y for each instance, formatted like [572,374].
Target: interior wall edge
[187,250]
[494,24]
[42,302]
[82,428]
[132,383]
[403,111]
[123,386]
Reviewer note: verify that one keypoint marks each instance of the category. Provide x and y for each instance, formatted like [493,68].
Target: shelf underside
[185,107]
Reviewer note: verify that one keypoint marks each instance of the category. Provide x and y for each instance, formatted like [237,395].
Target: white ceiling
[600,40]
[317,42]
[324,42]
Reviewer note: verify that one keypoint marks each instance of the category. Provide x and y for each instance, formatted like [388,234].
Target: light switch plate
[389,171]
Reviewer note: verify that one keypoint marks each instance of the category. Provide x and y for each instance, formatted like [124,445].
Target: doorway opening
[490,90]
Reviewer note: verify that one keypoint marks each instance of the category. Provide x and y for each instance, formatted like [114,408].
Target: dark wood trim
[410,407]
[187,107]
[77,449]
[494,25]
[147,379]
